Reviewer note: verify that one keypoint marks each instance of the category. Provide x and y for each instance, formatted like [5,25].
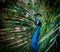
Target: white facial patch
[37,22]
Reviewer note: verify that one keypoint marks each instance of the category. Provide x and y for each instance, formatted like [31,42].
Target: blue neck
[34,42]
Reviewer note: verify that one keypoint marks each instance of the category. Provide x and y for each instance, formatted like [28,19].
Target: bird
[35,37]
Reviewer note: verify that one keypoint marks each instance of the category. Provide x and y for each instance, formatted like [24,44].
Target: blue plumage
[34,42]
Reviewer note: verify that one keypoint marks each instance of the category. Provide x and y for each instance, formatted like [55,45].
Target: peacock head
[38,22]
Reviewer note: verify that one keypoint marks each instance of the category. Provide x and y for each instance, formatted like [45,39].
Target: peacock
[35,38]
